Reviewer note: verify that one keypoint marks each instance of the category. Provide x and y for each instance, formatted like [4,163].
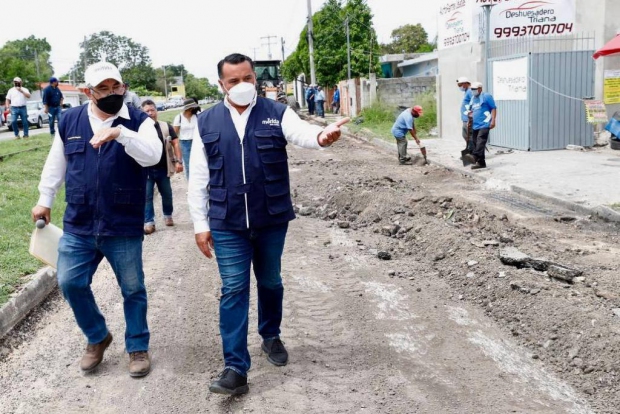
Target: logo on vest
[271,121]
[74,138]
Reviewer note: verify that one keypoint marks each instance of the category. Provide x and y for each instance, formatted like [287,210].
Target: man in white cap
[465,87]
[99,151]
[16,99]
[483,112]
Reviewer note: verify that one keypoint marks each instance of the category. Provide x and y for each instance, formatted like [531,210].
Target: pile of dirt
[573,327]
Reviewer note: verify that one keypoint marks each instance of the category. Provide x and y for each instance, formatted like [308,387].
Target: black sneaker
[478,166]
[230,383]
[276,353]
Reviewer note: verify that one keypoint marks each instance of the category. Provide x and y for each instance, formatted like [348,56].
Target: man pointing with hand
[240,203]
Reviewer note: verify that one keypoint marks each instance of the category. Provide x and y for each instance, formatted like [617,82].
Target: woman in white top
[184,125]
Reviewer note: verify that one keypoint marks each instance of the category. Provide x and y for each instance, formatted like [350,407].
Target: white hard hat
[476,85]
[17,79]
[462,79]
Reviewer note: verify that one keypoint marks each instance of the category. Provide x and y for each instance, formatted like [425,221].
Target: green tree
[27,58]
[119,50]
[142,75]
[409,38]
[330,44]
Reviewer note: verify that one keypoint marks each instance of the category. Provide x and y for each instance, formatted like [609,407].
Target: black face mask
[111,104]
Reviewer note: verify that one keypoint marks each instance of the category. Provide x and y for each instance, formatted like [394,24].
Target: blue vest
[263,158]
[105,187]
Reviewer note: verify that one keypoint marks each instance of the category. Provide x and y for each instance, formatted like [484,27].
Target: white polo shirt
[17,98]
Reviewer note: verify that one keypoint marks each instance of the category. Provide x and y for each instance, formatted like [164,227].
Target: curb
[36,291]
[600,211]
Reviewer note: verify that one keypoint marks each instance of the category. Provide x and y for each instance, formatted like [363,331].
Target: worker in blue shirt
[52,101]
[465,87]
[404,124]
[310,92]
[483,112]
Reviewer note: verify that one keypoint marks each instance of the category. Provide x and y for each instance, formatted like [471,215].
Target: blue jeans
[160,177]
[78,258]
[19,111]
[54,114]
[235,251]
[310,106]
[320,108]
[186,150]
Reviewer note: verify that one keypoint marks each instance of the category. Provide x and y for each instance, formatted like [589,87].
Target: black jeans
[480,138]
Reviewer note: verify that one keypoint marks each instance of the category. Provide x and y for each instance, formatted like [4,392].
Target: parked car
[65,107]
[36,116]
[160,105]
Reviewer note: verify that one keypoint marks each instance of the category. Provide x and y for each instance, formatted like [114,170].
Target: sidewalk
[582,181]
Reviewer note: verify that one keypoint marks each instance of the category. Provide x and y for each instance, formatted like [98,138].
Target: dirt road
[441,327]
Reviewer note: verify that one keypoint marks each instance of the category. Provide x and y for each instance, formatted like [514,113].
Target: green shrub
[381,113]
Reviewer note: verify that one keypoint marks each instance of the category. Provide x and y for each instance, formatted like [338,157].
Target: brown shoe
[139,364]
[169,222]
[150,229]
[94,354]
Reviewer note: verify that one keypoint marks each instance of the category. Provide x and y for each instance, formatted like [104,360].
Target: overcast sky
[196,33]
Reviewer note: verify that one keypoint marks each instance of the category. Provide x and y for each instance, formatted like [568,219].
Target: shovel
[465,157]
[423,151]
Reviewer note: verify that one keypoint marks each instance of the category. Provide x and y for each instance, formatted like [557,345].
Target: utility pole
[85,52]
[36,62]
[311,44]
[255,49]
[165,83]
[348,51]
[487,45]
[269,43]
[282,44]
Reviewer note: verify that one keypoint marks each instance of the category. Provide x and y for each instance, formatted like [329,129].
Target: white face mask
[242,94]
[476,92]
[463,89]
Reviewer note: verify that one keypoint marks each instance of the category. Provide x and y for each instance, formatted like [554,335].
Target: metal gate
[512,130]
[560,74]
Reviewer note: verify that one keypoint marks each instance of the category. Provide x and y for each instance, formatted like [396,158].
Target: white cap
[17,79]
[462,79]
[476,85]
[100,71]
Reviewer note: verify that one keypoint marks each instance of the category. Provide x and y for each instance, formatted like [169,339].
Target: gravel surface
[396,301]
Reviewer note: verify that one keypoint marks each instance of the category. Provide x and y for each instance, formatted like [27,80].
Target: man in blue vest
[483,112]
[99,152]
[52,101]
[310,92]
[240,203]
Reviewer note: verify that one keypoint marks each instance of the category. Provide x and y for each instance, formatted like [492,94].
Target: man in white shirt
[99,151]
[240,203]
[16,99]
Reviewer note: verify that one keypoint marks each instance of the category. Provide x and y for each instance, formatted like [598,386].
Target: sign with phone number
[455,23]
[517,18]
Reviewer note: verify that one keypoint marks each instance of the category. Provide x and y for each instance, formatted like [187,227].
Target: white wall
[464,60]
[602,18]
[599,17]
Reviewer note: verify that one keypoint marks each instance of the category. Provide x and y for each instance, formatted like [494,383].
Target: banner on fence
[510,79]
[596,113]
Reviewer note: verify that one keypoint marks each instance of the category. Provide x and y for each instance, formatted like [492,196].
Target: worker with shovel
[483,112]
[404,124]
